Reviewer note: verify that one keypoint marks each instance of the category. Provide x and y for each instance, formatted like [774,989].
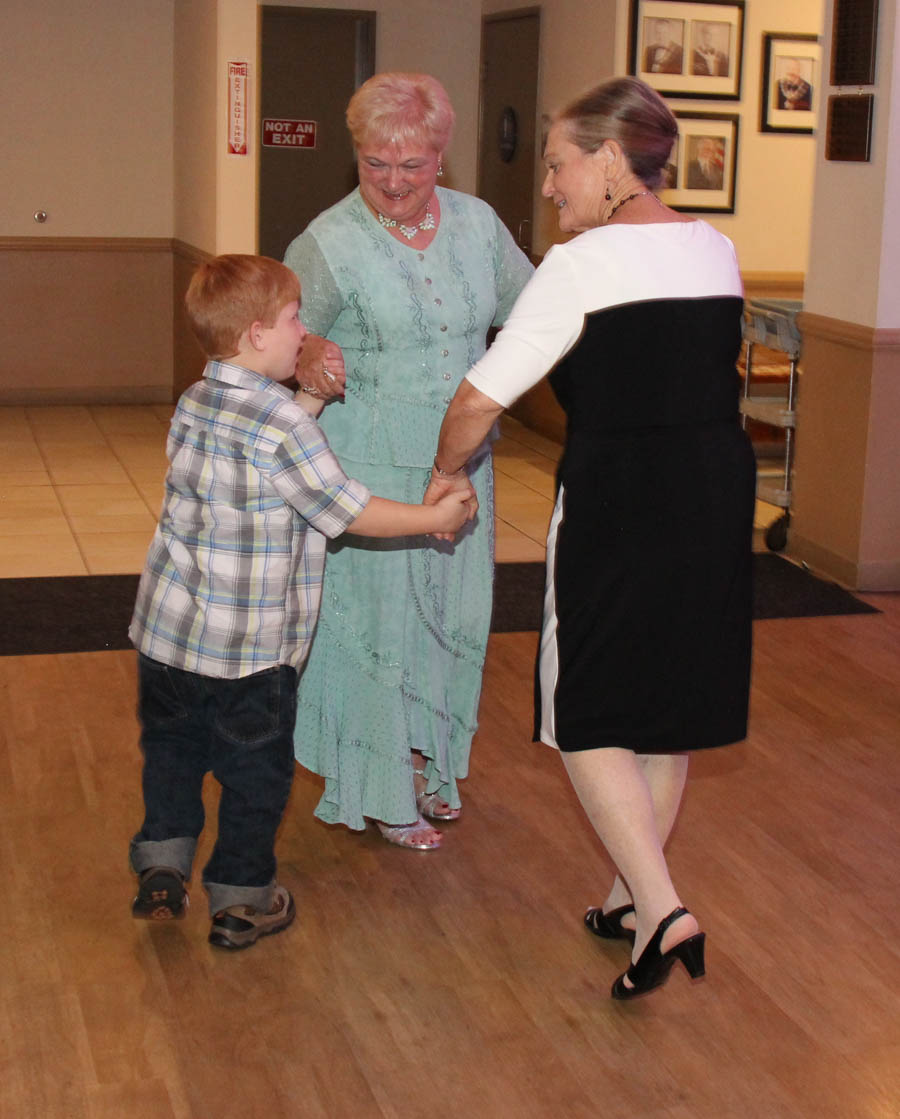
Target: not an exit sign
[288,133]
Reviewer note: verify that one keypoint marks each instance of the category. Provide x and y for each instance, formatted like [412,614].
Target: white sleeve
[544,324]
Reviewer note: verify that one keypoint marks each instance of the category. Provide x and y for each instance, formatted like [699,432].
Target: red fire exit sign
[288,133]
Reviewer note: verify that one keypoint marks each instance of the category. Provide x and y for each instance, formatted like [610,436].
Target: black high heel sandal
[609,925]
[653,966]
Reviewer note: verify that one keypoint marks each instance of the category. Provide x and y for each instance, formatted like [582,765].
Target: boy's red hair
[229,293]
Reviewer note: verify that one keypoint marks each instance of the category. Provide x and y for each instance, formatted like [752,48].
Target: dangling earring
[608,195]
[440,169]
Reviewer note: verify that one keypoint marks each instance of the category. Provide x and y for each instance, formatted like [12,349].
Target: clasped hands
[441,484]
[320,369]
[321,373]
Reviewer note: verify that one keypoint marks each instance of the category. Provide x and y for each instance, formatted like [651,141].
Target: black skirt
[651,600]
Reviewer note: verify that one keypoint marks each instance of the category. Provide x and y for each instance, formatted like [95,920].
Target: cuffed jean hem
[177,853]
[222,896]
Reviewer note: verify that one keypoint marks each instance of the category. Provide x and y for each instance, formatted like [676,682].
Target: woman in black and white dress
[645,649]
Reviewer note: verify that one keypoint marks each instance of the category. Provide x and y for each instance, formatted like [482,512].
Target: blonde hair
[628,111]
[229,293]
[397,108]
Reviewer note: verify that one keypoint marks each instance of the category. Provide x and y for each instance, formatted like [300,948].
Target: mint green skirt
[397,658]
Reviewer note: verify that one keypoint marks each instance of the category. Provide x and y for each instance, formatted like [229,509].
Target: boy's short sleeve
[308,476]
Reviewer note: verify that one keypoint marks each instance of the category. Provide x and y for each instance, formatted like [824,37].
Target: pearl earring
[440,169]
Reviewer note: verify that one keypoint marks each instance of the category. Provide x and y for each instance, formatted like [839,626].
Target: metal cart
[773,323]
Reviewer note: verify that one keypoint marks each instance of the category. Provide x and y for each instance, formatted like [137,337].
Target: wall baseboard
[780,285]
[868,576]
[869,338]
[86,244]
[63,395]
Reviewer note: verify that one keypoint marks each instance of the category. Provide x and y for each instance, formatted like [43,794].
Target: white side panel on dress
[548,658]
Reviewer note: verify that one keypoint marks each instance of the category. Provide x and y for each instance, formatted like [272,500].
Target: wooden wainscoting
[846,516]
[188,358]
[87,319]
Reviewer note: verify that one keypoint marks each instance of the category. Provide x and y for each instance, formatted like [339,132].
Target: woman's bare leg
[665,775]
[625,797]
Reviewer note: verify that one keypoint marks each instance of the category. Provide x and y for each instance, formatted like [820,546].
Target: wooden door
[510,45]
[311,62]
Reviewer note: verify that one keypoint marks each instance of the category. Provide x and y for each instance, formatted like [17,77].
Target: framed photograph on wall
[791,82]
[688,49]
[702,170]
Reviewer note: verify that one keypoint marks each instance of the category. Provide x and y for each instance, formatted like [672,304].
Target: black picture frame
[791,84]
[854,32]
[688,48]
[848,132]
[702,173]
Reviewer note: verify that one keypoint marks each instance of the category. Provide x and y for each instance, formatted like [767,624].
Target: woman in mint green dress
[401,282]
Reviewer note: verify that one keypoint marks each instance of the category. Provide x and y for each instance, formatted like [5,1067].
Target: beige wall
[854,268]
[86,126]
[773,218]
[194,123]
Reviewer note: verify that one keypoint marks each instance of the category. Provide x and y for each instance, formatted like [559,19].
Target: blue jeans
[242,730]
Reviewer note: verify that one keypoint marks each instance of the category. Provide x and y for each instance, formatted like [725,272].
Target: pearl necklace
[637,194]
[409,231]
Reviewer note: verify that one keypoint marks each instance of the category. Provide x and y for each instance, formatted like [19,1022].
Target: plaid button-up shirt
[233,577]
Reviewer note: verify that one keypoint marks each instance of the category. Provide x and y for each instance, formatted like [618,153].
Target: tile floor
[80,488]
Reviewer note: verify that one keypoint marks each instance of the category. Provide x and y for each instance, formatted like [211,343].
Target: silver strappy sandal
[432,805]
[420,836]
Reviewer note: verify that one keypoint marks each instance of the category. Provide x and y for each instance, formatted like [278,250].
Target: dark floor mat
[86,613]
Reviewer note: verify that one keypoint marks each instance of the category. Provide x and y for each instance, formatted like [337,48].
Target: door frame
[505,17]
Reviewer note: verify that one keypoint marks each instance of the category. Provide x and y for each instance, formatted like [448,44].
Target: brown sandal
[239,926]
[161,896]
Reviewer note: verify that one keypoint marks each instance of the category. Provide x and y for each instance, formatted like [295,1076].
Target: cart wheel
[776,534]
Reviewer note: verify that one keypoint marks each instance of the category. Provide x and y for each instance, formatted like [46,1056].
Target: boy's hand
[442,484]
[457,506]
[320,368]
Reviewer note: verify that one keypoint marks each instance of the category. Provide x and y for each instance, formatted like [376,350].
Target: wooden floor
[462,982]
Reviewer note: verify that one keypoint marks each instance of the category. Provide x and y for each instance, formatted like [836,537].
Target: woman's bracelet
[444,473]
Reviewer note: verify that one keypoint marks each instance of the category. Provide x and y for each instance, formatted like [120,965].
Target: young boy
[229,596]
